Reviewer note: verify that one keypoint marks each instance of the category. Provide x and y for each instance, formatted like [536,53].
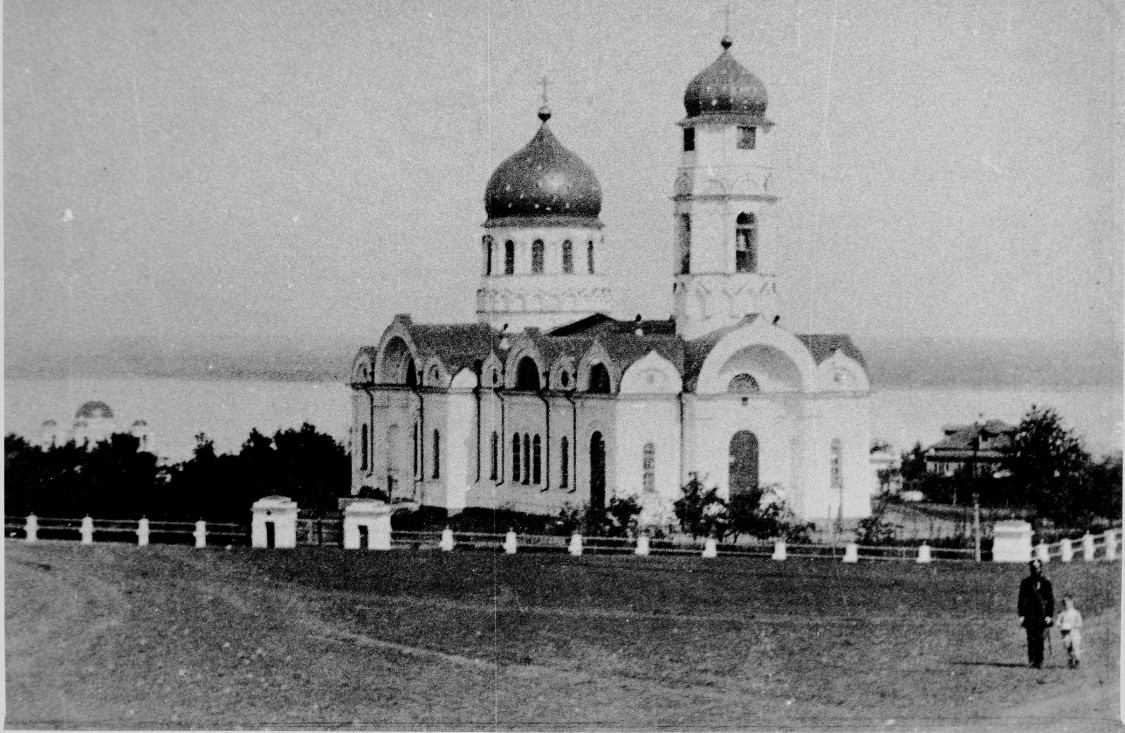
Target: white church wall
[711,421]
[844,418]
[642,420]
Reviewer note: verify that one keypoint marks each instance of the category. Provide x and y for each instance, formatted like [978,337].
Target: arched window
[526,458]
[746,243]
[515,458]
[743,462]
[836,465]
[590,256]
[743,384]
[411,374]
[684,239]
[437,454]
[567,257]
[689,139]
[494,463]
[648,466]
[509,257]
[747,138]
[537,257]
[363,448]
[536,461]
[433,376]
[564,463]
[527,375]
[486,244]
[599,379]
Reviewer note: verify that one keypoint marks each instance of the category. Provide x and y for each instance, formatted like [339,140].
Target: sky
[288,170]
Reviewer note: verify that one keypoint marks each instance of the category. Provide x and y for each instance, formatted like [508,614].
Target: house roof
[965,438]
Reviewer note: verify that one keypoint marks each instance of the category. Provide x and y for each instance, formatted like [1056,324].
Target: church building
[545,400]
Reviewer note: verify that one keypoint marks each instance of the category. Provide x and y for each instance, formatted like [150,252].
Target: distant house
[980,448]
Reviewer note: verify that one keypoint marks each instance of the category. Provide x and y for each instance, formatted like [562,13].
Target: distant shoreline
[892,362]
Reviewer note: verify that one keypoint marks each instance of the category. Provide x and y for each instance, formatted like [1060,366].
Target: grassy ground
[126,637]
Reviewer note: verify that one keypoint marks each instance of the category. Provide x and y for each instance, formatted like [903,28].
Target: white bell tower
[723,202]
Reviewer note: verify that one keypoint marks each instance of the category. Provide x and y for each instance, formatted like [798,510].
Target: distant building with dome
[93,423]
[545,400]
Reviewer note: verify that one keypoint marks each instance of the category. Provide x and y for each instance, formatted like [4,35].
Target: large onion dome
[726,92]
[544,184]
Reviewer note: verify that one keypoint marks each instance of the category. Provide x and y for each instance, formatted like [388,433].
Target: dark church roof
[464,345]
[726,92]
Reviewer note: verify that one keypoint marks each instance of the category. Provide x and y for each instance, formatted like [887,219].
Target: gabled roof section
[824,345]
[626,348]
[600,323]
[696,351]
[457,345]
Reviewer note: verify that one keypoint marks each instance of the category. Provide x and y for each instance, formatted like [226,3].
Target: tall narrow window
[684,240]
[648,466]
[747,137]
[515,458]
[590,256]
[567,257]
[536,461]
[437,454]
[526,458]
[564,463]
[537,257]
[509,257]
[836,465]
[746,243]
[486,244]
[417,451]
[494,463]
[363,448]
[689,139]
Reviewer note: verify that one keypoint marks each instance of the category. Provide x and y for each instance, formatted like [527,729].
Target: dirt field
[156,637]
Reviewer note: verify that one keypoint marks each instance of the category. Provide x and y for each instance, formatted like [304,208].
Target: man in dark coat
[1036,608]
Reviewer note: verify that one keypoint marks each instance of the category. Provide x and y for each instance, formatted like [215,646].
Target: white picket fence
[1089,548]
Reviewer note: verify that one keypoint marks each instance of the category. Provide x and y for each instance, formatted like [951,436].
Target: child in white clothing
[1070,626]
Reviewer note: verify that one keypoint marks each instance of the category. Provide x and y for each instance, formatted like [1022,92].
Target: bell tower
[723,201]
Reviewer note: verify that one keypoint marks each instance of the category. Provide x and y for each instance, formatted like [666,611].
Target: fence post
[142,532]
[1088,547]
[575,546]
[87,530]
[1066,549]
[1042,554]
[924,555]
[200,533]
[510,542]
[710,547]
[1111,544]
[31,529]
[779,551]
[447,539]
[642,546]
[851,552]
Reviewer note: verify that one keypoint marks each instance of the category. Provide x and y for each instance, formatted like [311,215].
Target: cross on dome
[544,111]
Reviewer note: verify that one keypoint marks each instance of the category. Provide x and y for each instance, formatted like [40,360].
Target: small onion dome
[94,409]
[544,184]
[726,92]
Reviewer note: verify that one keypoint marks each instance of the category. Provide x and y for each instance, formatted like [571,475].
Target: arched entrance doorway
[743,462]
[597,471]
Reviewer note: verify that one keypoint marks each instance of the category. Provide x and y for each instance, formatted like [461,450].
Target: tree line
[115,479]
[1048,475]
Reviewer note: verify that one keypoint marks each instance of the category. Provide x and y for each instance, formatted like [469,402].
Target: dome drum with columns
[546,401]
